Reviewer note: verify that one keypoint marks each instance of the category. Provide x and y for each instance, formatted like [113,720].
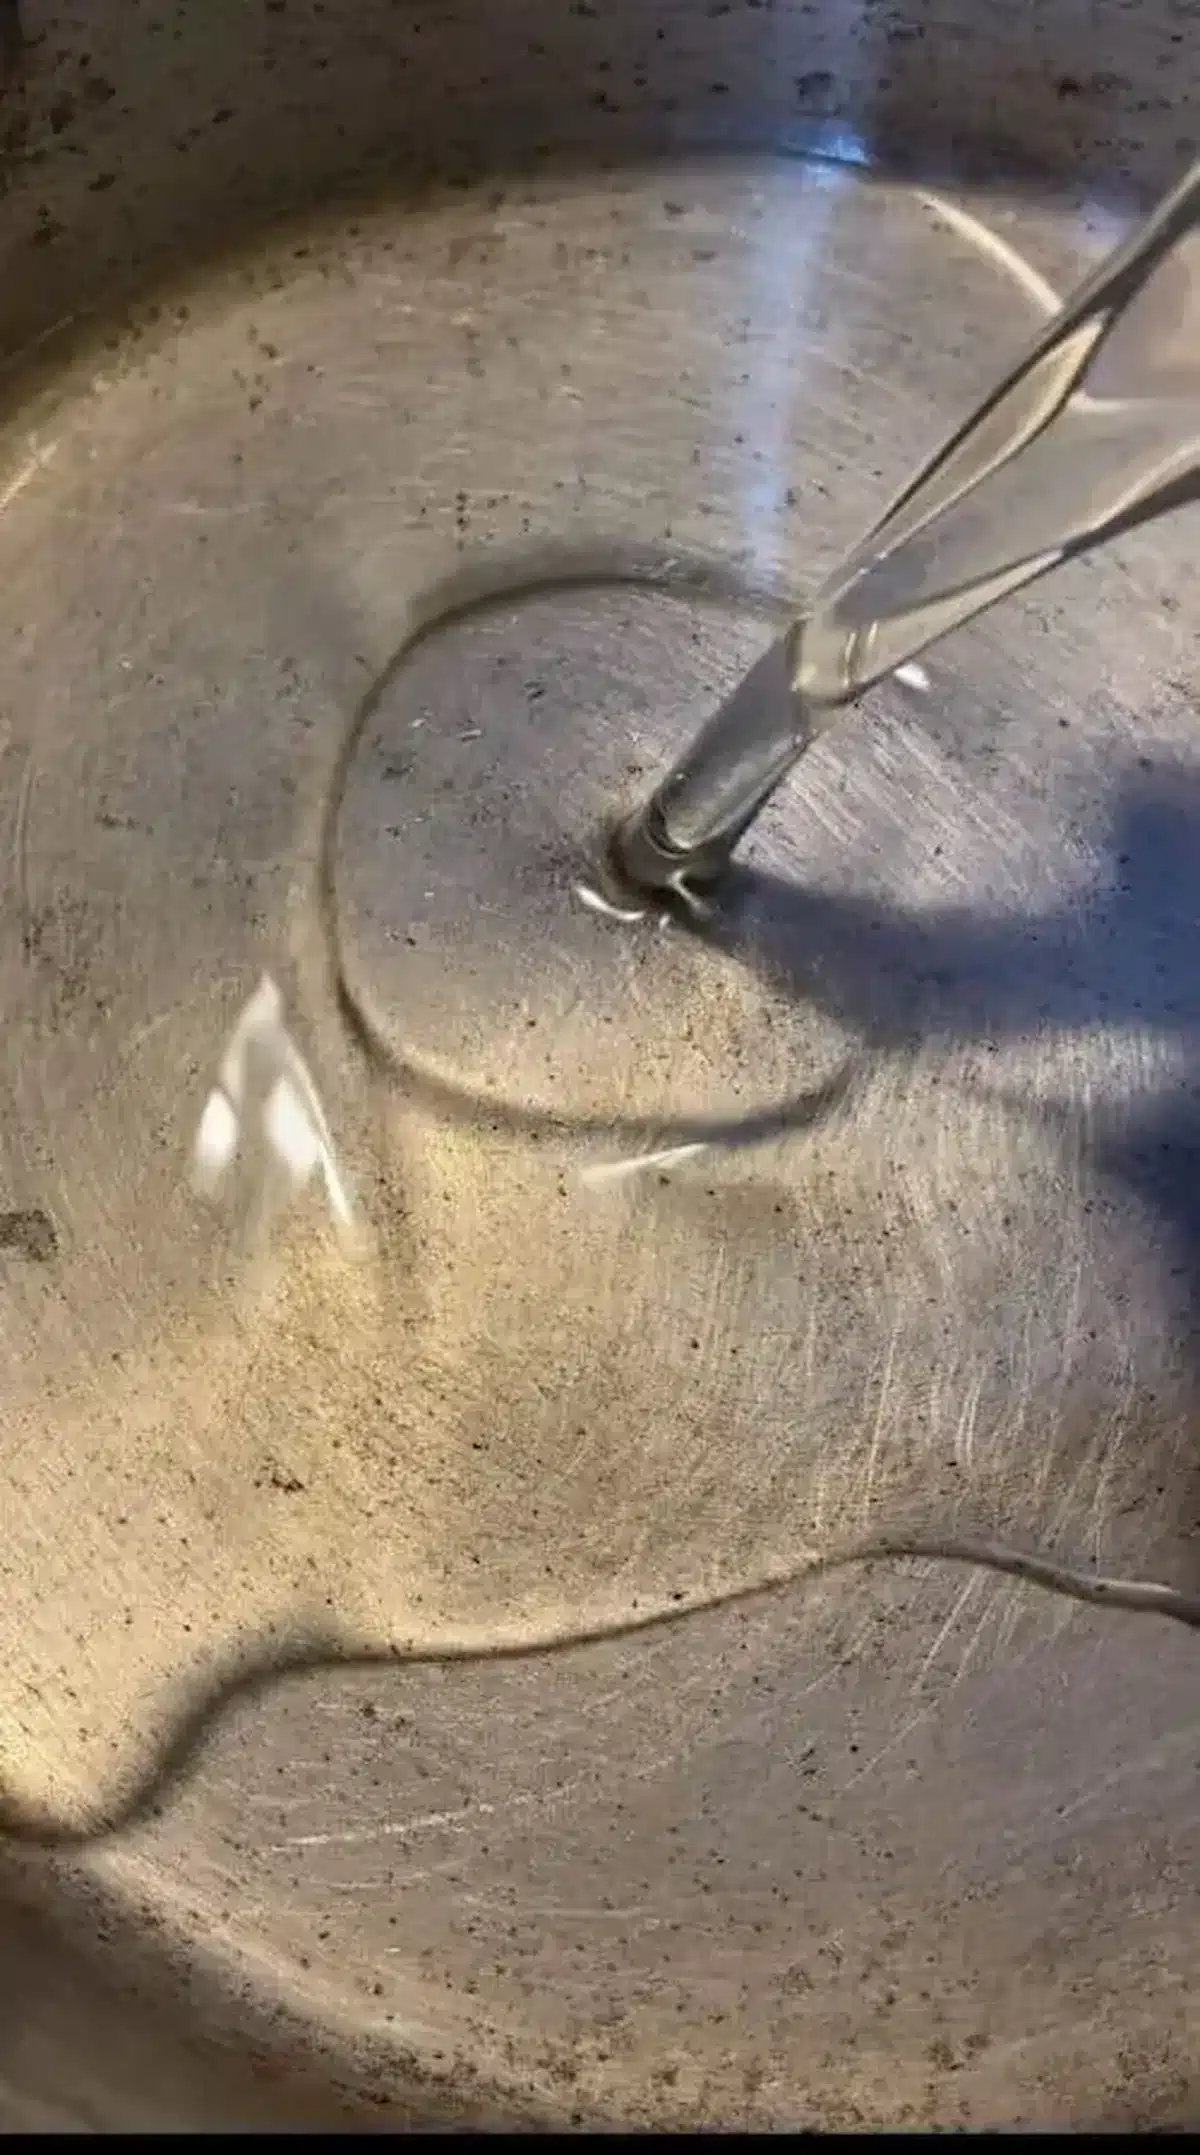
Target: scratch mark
[29,470]
[396,1830]
[893,1743]
[885,1388]
[985,1619]
[1171,1748]
[20,837]
[960,1603]
[964,1435]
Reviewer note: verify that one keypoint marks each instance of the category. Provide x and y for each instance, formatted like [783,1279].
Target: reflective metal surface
[574,330]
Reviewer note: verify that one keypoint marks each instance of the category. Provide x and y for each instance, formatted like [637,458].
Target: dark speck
[31,1234]
[276,1477]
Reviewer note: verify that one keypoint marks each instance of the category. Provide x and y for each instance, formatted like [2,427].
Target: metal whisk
[1096,430]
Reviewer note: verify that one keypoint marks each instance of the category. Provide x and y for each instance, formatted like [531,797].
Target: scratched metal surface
[316,313]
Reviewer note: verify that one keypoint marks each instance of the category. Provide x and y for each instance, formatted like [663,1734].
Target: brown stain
[29,1233]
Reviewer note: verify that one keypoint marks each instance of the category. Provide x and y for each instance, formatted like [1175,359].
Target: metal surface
[906,1844]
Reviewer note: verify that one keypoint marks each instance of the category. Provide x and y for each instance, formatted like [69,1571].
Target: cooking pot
[506,1403]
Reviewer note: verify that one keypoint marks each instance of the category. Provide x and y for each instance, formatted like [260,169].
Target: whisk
[1095,430]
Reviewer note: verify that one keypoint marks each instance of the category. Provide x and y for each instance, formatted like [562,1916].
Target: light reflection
[792,250]
[832,142]
[264,1114]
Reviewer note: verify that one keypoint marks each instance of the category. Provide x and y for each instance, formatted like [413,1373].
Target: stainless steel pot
[423,1694]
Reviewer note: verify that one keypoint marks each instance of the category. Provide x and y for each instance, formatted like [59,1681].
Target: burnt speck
[30,1234]
[274,1476]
